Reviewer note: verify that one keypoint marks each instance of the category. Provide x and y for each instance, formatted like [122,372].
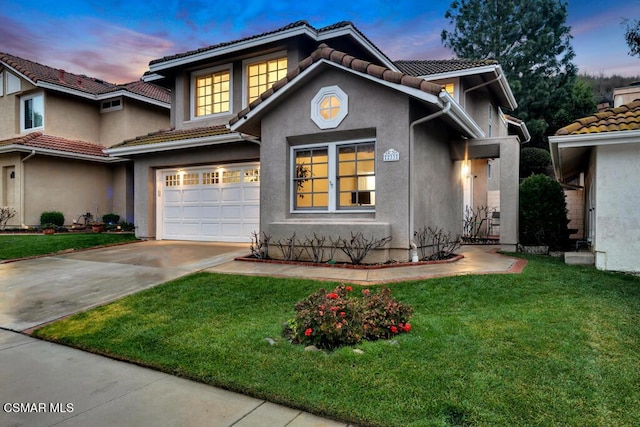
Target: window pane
[261,76]
[212,93]
[356,175]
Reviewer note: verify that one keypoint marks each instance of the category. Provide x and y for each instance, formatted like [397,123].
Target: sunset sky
[115,40]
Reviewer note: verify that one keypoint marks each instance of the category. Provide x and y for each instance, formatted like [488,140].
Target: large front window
[32,112]
[211,92]
[263,74]
[332,177]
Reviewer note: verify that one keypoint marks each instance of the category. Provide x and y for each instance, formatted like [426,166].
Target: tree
[632,36]
[530,40]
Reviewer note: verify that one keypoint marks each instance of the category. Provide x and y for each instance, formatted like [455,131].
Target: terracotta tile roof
[327,53]
[623,118]
[169,135]
[49,142]
[296,24]
[43,73]
[229,43]
[428,67]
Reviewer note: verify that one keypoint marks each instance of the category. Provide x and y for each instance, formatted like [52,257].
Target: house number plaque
[391,155]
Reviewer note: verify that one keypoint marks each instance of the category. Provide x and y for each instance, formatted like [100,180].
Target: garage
[209,203]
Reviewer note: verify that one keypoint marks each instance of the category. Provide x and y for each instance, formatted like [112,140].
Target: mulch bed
[391,264]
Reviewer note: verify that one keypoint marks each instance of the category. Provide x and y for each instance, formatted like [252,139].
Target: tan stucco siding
[134,119]
[11,185]
[71,187]
[71,117]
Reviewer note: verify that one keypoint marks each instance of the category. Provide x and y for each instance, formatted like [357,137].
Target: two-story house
[316,130]
[54,126]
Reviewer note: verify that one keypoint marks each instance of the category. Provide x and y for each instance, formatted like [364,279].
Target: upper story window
[211,92]
[112,104]
[334,177]
[329,107]
[450,88]
[32,112]
[262,73]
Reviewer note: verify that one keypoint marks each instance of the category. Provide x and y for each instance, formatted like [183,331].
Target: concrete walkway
[98,391]
[477,260]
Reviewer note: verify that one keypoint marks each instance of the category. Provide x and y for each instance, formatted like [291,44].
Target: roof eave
[175,145]
[57,153]
[350,30]
[102,96]
[157,67]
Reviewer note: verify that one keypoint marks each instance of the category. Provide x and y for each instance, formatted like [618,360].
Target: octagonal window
[329,107]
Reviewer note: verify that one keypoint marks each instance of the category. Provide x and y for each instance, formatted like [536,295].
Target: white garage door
[216,203]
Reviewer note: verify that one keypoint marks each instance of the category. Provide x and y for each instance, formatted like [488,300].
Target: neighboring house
[601,154]
[311,130]
[54,126]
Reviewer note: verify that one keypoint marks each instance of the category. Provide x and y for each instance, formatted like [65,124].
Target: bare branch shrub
[288,248]
[6,213]
[442,244]
[474,223]
[260,245]
[315,248]
[358,247]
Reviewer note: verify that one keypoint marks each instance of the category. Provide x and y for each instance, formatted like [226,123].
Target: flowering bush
[331,319]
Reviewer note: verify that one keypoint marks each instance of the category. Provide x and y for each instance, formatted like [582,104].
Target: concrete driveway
[39,290]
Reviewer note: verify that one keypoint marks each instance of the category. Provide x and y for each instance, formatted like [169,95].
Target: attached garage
[209,203]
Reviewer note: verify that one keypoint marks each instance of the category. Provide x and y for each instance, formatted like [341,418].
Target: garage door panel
[207,207]
[232,194]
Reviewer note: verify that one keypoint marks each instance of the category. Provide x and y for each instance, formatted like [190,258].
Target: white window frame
[324,92]
[251,61]
[13,83]
[22,103]
[1,83]
[111,107]
[332,154]
[192,91]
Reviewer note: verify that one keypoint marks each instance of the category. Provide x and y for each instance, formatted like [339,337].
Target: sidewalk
[101,392]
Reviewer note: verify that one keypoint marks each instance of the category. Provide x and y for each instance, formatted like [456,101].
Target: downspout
[432,116]
[20,192]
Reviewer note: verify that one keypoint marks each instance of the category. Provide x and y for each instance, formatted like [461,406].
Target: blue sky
[115,40]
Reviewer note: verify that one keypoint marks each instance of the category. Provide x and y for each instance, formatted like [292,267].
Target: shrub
[332,319]
[534,161]
[52,217]
[110,218]
[543,213]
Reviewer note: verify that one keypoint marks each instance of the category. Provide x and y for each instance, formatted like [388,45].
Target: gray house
[311,130]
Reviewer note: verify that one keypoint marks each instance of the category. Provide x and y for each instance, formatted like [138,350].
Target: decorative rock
[270,341]
[312,348]
[358,351]
[393,342]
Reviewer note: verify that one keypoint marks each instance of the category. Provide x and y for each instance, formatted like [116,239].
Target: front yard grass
[22,246]
[555,345]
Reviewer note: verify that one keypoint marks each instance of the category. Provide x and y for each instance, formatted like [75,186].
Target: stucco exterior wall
[133,120]
[374,111]
[10,110]
[617,240]
[10,188]
[71,117]
[145,168]
[71,187]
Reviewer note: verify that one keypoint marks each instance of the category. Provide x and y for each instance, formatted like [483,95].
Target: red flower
[342,314]
[407,327]
[394,329]
[366,292]
[308,332]
[349,288]
[332,295]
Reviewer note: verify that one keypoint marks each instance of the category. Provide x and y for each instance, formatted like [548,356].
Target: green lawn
[21,246]
[555,345]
